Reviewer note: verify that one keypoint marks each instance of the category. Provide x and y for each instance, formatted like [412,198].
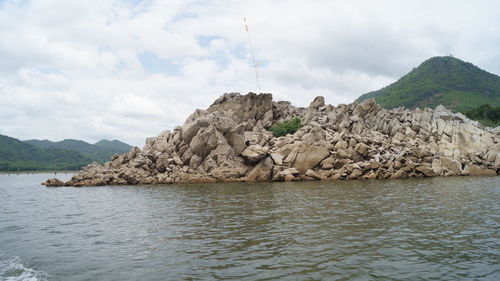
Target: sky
[130,69]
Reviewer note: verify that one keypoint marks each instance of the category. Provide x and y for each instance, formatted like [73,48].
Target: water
[422,229]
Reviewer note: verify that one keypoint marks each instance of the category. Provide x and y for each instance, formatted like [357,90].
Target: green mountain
[68,144]
[458,85]
[101,151]
[16,155]
[113,145]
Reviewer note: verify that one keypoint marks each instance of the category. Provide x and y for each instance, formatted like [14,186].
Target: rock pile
[230,141]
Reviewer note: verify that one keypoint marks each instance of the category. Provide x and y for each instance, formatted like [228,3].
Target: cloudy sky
[130,69]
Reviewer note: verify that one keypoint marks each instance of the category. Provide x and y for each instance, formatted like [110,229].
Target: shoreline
[229,181]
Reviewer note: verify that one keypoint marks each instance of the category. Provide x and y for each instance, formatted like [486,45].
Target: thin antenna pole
[253,57]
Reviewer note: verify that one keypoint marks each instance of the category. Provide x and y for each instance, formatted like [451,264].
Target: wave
[13,269]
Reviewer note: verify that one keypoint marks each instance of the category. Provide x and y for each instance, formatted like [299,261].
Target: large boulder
[304,157]
[453,167]
[222,153]
[312,110]
[318,102]
[315,134]
[365,107]
[206,140]
[236,141]
[437,167]
[474,170]
[53,182]
[191,129]
[253,153]
[241,108]
[262,171]
[315,175]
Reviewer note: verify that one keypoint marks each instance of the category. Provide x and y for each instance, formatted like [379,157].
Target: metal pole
[253,57]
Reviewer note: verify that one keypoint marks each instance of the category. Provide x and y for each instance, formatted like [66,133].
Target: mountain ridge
[100,151]
[45,155]
[16,155]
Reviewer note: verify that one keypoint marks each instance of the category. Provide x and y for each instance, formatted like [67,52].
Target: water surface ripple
[421,229]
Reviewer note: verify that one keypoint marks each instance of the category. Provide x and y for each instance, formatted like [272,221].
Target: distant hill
[68,144]
[101,151]
[113,145]
[458,85]
[16,155]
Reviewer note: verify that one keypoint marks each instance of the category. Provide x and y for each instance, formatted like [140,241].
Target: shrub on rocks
[285,128]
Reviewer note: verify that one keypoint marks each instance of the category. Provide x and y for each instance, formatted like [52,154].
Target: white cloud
[72,69]
[132,104]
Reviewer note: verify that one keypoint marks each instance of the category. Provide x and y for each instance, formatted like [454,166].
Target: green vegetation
[18,156]
[113,145]
[486,114]
[101,151]
[288,127]
[37,155]
[458,85]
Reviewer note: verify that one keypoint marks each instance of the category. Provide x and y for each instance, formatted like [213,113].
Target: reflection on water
[422,229]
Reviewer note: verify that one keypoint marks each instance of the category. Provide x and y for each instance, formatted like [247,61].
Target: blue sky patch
[154,64]
[204,40]
[49,69]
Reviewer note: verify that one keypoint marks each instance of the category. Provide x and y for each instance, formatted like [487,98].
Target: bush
[288,127]
[486,115]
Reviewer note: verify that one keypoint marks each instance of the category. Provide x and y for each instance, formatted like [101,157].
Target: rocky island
[231,141]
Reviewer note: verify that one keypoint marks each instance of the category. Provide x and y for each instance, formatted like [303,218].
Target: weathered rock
[315,134]
[473,170]
[262,171]
[236,141]
[374,165]
[277,158]
[312,110]
[287,175]
[361,148]
[400,174]
[230,141]
[309,156]
[177,160]
[242,107]
[164,179]
[315,175]
[426,171]
[327,163]
[206,140]
[53,182]
[254,153]
[339,163]
[453,167]
[370,176]
[192,129]
[98,182]
[437,167]
[355,174]
[318,102]
[341,145]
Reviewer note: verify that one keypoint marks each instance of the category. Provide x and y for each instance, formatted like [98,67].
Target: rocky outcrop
[53,182]
[230,141]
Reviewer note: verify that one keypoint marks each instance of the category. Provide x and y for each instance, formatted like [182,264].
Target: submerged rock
[230,141]
[53,183]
